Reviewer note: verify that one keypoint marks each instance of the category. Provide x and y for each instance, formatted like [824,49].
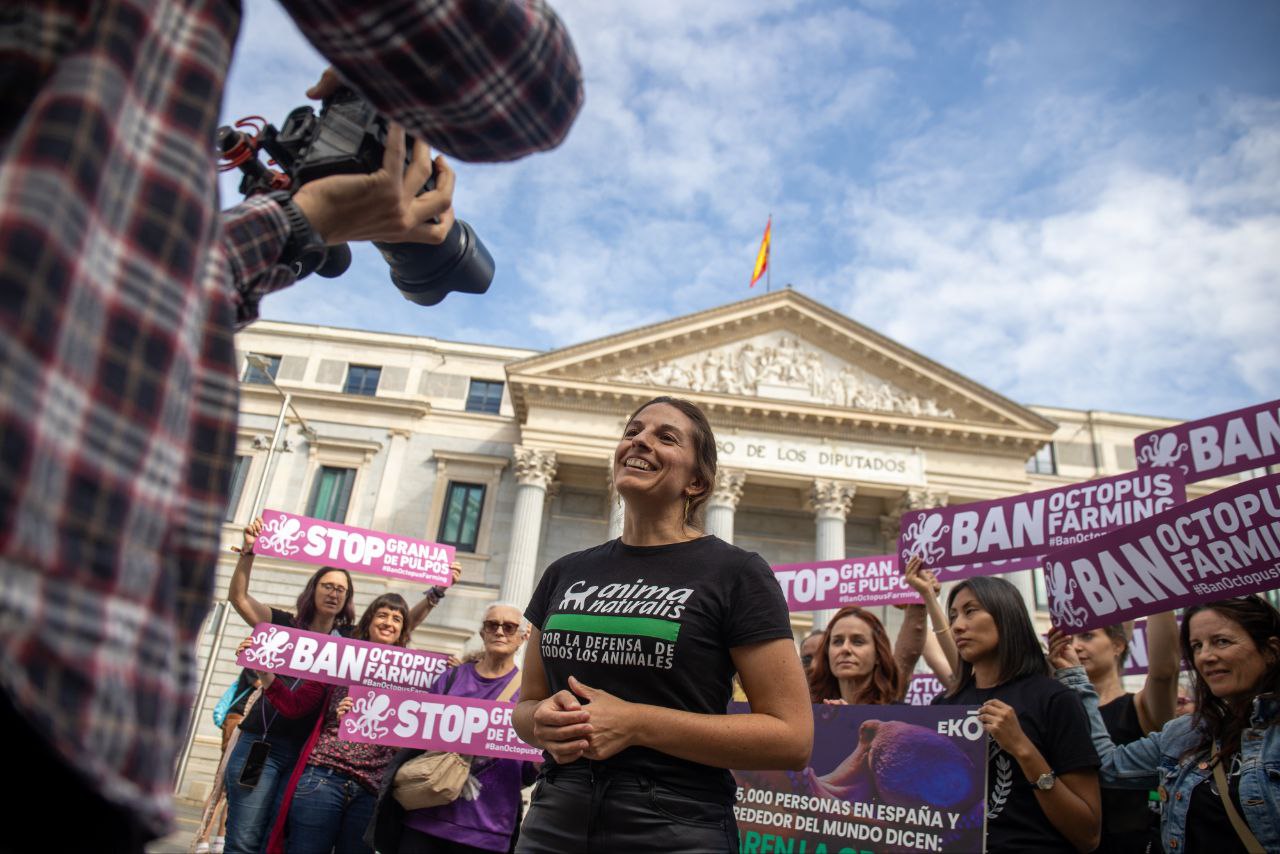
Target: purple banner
[340,661]
[881,778]
[434,722]
[832,584]
[1038,522]
[1223,444]
[1136,663]
[1222,545]
[993,567]
[922,688]
[316,541]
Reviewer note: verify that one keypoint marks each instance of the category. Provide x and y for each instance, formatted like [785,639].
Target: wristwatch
[304,250]
[1046,780]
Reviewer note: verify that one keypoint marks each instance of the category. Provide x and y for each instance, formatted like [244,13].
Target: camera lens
[426,273]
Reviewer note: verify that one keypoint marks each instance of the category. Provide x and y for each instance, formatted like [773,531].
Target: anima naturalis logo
[624,623]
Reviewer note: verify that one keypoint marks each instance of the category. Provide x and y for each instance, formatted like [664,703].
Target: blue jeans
[330,812]
[251,812]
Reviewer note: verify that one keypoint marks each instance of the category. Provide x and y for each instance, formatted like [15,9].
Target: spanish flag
[762,258]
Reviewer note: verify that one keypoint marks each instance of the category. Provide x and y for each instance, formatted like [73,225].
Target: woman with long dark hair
[328,800]
[1128,823]
[1216,767]
[631,656]
[1042,768]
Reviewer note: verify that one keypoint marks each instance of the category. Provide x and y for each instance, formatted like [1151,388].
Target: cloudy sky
[1074,203]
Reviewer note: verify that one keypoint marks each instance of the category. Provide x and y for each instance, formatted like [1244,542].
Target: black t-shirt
[1208,827]
[1053,718]
[1129,823]
[654,624]
[263,717]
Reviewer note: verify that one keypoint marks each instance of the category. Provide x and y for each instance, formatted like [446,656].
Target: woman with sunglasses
[486,822]
[631,658]
[1218,768]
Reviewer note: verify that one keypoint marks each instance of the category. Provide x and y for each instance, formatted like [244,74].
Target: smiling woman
[634,647]
[1215,767]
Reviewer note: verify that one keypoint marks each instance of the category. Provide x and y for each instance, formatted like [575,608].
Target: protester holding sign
[1042,774]
[486,822]
[330,794]
[633,650]
[856,666]
[1216,766]
[1128,824]
[267,749]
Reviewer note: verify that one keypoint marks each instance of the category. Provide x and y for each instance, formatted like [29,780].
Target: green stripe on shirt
[604,624]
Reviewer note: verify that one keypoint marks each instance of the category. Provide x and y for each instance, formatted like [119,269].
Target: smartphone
[251,773]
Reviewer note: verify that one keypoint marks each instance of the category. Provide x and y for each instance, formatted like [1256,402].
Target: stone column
[617,511]
[829,500]
[534,471]
[384,505]
[723,503]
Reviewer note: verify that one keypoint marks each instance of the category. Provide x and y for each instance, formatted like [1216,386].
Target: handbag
[1251,843]
[438,777]
[225,703]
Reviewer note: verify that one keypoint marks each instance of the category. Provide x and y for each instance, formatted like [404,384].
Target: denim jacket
[1158,759]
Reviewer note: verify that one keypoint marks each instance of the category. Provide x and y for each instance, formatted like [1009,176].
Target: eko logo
[969,727]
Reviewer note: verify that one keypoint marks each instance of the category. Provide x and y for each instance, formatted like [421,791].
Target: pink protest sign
[825,584]
[434,722]
[1038,522]
[337,660]
[922,688]
[1223,444]
[1137,662]
[308,540]
[993,567]
[1222,545]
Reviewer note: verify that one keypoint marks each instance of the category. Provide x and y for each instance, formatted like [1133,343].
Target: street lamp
[264,369]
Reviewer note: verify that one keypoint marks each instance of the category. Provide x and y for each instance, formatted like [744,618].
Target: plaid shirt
[120,288]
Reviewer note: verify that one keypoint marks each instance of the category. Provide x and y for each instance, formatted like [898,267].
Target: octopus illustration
[924,534]
[269,648]
[282,535]
[1060,592]
[1163,451]
[369,712]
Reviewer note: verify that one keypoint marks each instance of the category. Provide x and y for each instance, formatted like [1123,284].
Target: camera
[349,137]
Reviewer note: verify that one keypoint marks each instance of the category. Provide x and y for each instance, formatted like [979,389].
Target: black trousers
[599,813]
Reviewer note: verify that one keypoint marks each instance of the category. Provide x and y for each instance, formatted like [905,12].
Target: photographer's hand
[384,205]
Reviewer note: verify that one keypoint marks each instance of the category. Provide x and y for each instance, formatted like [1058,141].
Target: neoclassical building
[828,432]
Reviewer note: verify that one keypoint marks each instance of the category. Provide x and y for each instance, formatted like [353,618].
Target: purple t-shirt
[488,821]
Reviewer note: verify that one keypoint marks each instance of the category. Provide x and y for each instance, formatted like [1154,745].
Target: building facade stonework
[827,432]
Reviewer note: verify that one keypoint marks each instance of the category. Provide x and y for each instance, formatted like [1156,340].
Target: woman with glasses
[487,822]
[630,664]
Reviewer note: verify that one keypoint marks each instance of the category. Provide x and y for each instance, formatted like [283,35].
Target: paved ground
[179,842]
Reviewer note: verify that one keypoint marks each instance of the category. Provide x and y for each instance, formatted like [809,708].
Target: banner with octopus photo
[881,778]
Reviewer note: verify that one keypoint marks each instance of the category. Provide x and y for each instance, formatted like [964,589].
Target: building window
[331,494]
[1038,590]
[460,523]
[254,374]
[238,474]
[1043,462]
[362,379]
[484,396]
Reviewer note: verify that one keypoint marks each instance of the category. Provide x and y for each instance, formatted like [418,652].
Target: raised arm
[909,645]
[431,598]
[250,610]
[479,79]
[924,582]
[1158,699]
